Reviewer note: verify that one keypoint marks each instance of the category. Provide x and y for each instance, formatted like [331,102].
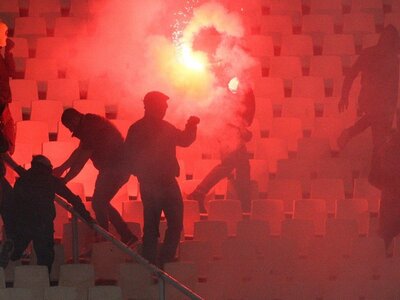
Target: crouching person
[34,212]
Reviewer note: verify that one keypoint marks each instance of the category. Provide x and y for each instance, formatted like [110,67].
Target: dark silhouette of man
[234,155]
[151,155]
[379,68]
[34,212]
[101,142]
[386,177]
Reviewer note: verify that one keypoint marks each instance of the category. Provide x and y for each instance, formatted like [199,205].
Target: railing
[163,278]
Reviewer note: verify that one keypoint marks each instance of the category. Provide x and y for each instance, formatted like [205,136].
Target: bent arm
[186,137]
[80,157]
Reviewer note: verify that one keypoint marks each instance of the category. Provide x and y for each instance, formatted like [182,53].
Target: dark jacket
[150,148]
[34,194]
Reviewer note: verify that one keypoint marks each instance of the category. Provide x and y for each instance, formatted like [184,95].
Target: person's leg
[108,183]
[389,217]
[219,172]
[43,243]
[8,210]
[359,126]
[173,210]
[242,179]
[151,196]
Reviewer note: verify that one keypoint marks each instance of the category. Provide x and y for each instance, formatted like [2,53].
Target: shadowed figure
[234,155]
[150,149]
[386,177]
[33,212]
[101,142]
[379,68]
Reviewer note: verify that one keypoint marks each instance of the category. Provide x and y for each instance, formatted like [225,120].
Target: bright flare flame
[192,60]
[233,85]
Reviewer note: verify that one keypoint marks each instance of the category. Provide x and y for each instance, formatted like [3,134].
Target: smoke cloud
[138,46]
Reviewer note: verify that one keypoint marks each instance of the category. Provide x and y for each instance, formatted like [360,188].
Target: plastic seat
[369,40]
[315,23]
[260,45]
[132,211]
[69,27]
[11,6]
[104,90]
[328,67]
[297,45]
[30,26]
[17,294]
[269,87]
[286,189]
[300,107]
[252,231]
[229,211]
[23,153]
[273,24]
[338,44]
[363,189]
[358,23]
[32,132]
[269,210]
[53,47]
[213,232]
[309,86]
[300,232]
[106,269]
[314,210]
[355,209]
[136,282]
[79,8]
[328,127]
[290,129]
[191,215]
[272,150]
[24,92]
[40,7]
[326,6]
[393,18]
[198,252]
[331,190]
[90,106]
[20,53]
[64,90]
[80,276]
[202,167]
[41,69]
[35,278]
[285,67]
[264,113]
[297,169]
[47,111]
[16,111]
[58,151]
[313,148]
[105,293]
[57,292]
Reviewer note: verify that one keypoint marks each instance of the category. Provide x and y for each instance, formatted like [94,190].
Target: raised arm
[347,83]
[74,163]
[12,163]
[186,137]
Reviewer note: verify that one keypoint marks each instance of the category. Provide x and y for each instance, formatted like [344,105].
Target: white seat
[80,276]
[32,277]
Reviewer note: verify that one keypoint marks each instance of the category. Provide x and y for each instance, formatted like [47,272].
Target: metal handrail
[162,276]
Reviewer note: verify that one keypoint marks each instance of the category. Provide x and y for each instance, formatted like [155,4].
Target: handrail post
[75,239]
[161,288]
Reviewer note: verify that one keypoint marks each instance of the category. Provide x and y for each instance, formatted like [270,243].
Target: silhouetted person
[34,211]
[7,70]
[386,177]
[234,155]
[379,68]
[101,142]
[151,154]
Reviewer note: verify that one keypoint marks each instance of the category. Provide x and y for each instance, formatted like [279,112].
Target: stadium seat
[314,210]
[290,129]
[297,45]
[286,189]
[191,215]
[297,169]
[90,106]
[80,276]
[58,151]
[330,190]
[259,45]
[272,150]
[69,27]
[229,211]
[64,90]
[264,113]
[38,8]
[213,232]
[338,44]
[35,278]
[369,40]
[105,292]
[48,111]
[301,108]
[185,272]
[328,67]
[326,7]
[15,110]
[268,210]
[269,87]
[30,27]
[136,282]
[199,252]
[55,48]
[328,127]
[24,92]
[355,209]
[285,67]
[41,69]
[275,24]
[317,24]
[363,189]
[313,148]
[358,23]
[20,53]
[17,294]
[32,132]
[57,292]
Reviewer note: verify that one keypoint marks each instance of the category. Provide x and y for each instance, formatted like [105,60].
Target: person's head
[3,34]
[71,118]
[155,104]
[389,39]
[41,162]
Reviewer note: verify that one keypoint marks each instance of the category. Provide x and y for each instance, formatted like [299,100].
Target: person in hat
[102,143]
[34,212]
[150,148]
